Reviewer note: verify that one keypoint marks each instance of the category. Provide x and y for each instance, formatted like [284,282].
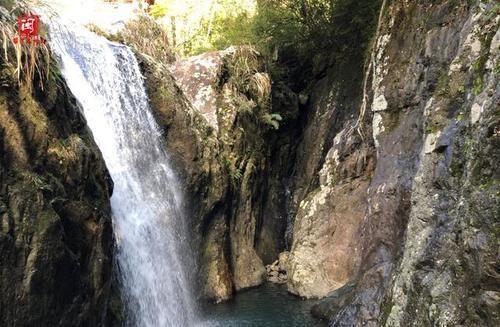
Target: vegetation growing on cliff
[28,63]
[307,33]
[143,34]
[303,35]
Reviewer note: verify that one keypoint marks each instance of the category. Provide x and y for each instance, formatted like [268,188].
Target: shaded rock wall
[56,239]
[216,117]
[250,181]
[333,168]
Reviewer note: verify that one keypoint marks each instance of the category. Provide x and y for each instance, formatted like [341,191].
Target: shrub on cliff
[148,37]
[304,35]
[143,34]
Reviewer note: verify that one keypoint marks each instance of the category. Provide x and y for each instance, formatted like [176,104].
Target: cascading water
[146,203]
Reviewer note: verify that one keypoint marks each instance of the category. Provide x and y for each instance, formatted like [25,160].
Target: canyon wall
[56,239]
[429,236]
[381,180]
[215,112]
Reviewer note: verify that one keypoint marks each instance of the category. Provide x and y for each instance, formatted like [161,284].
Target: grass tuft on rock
[25,62]
[143,34]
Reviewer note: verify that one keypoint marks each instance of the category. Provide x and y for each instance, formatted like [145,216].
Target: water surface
[267,306]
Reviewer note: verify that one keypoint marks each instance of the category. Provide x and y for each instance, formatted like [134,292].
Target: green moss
[44,220]
[456,167]
[487,183]
[32,112]
[485,37]
[468,146]
[31,182]
[442,88]
[434,127]
[478,85]
[34,180]
[386,309]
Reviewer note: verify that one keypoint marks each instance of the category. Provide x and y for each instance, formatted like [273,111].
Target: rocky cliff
[215,110]
[381,179]
[56,239]
[429,235]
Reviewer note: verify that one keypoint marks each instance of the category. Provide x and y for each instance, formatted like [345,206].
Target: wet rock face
[56,235]
[448,271]
[194,150]
[215,118]
[217,281]
[428,237]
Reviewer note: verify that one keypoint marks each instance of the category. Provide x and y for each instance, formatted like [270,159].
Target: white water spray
[149,225]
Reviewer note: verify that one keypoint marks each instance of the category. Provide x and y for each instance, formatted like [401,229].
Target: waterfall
[148,219]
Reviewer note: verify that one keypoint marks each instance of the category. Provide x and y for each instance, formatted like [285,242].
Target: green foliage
[303,33]
[250,87]
[233,167]
[485,36]
[302,36]
[290,24]
[145,35]
[442,86]
[66,150]
[34,180]
[148,37]
[231,30]
[478,85]
[158,10]
[245,74]
[195,27]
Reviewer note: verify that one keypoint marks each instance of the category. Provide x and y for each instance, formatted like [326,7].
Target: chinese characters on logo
[28,28]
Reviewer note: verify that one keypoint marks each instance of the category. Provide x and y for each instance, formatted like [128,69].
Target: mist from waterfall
[150,227]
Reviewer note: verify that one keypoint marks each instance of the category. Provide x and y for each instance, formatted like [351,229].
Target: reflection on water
[266,306]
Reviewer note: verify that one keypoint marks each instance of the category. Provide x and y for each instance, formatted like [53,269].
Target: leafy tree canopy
[298,34]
